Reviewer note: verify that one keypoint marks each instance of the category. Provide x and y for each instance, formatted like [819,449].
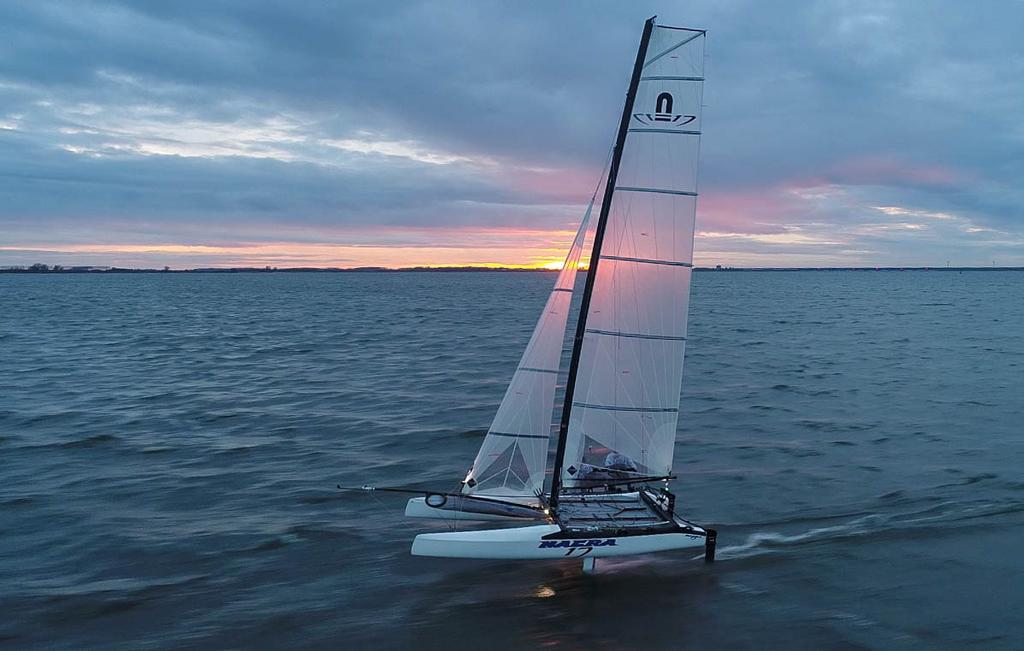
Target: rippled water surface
[169,444]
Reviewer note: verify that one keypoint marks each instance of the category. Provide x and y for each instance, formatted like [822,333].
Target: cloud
[230,124]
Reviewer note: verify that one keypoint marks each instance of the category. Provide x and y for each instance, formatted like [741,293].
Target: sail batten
[635,335]
[677,132]
[685,193]
[584,405]
[671,263]
[518,435]
[669,78]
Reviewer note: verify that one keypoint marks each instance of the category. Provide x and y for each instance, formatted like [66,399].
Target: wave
[91,441]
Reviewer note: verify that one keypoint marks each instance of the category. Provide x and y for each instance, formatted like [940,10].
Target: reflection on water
[169,444]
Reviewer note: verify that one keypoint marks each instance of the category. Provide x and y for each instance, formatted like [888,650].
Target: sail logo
[548,544]
[663,115]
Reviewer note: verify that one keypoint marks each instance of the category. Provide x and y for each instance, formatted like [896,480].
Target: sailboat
[608,493]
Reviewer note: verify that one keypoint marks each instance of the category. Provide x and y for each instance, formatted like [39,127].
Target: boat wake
[947,516]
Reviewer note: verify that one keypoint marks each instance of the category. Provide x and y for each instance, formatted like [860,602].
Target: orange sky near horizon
[500,248]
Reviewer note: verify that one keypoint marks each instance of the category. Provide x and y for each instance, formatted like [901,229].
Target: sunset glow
[498,248]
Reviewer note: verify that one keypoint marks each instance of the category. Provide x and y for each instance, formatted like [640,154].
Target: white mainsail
[513,457]
[625,402]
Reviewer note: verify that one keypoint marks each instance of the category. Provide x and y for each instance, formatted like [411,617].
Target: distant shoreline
[38,269]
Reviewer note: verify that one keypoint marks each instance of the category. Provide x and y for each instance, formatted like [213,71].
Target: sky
[344,134]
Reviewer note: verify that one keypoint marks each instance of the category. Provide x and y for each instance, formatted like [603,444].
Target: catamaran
[608,494]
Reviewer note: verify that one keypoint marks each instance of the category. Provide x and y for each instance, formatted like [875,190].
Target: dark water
[169,444]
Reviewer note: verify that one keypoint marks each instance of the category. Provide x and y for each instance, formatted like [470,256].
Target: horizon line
[100,269]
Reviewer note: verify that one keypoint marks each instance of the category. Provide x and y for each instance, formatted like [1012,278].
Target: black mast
[595,255]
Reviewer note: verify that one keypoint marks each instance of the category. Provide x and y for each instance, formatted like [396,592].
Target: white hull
[531,543]
[418,508]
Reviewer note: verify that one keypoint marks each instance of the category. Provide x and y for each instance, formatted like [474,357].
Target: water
[169,446]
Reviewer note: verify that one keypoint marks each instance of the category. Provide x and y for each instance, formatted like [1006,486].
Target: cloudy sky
[349,133]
